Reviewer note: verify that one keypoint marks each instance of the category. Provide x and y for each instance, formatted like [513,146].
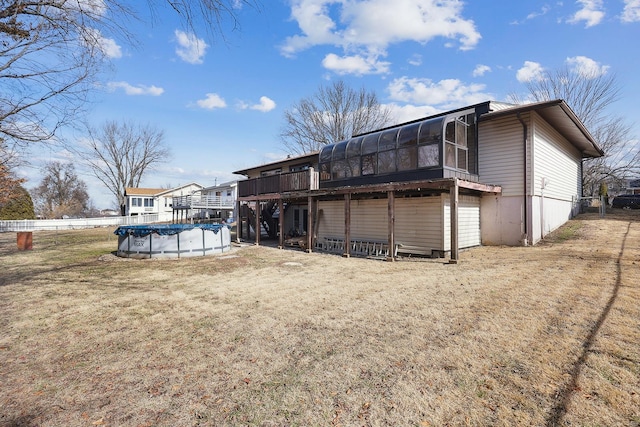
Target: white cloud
[212,101]
[530,71]
[190,48]
[136,90]
[415,60]
[592,13]
[371,26]
[93,7]
[481,70]
[445,93]
[108,46]
[265,105]
[356,64]
[541,12]
[407,113]
[631,12]
[587,67]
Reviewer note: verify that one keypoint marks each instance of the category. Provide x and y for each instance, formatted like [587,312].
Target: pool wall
[175,241]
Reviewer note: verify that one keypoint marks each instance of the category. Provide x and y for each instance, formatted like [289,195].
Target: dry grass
[510,336]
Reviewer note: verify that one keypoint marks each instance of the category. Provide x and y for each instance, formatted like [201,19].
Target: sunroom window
[353,156]
[429,142]
[455,149]
[369,154]
[387,151]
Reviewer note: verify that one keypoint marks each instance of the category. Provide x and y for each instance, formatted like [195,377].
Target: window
[368,164]
[325,162]
[271,172]
[338,162]
[456,143]
[429,143]
[353,156]
[148,203]
[299,168]
[228,193]
[407,157]
[136,201]
[387,151]
[428,156]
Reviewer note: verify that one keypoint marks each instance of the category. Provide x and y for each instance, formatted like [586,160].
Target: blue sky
[221,102]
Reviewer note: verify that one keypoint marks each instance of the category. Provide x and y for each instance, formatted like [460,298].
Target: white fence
[78,223]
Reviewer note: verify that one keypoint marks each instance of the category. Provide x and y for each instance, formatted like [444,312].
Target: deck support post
[310,222]
[257,224]
[238,222]
[391,213]
[453,208]
[280,224]
[347,225]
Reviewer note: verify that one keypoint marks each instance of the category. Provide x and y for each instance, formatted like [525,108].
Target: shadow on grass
[565,393]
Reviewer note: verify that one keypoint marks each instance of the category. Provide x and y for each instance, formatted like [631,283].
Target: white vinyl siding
[468,222]
[557,161]
[331,219]
[419,222]
[500,154]
[369,220]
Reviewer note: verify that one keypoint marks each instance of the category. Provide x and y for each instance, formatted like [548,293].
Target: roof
[139,191]
[273,165]
[559,115]
[136,191]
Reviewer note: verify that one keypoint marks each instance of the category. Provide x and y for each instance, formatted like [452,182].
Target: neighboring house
[490,173]
[155,200]
[633,187]
[216,203]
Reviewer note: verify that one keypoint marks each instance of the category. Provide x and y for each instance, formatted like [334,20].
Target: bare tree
[51,54]
[332,114]
[120,154]
[9,183]
[590,95]
[60,192]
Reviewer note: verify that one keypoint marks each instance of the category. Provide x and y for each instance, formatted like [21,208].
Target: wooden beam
[281,224]
[257,225]
[310,220]
[453,213]
[391,214]
[347,226]
[238,222]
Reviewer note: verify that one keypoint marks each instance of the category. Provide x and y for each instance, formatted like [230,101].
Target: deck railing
[282,183]
[198,201]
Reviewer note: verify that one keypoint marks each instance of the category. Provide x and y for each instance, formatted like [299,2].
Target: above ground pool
[172,240]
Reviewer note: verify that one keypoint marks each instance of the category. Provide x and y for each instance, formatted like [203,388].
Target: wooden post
[347,225]
[391,213]
[257,225]
[238,222]
[453,213]
[310,220]
[281,224]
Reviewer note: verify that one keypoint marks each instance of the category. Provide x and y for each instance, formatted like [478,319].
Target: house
[215,203]
[633,187]
[155,200]
[490,173]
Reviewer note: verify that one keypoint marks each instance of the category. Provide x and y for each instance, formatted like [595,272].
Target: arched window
[369,154]
[387,151]
[338,161]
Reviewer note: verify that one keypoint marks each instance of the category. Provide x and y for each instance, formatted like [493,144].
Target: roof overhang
[289,160]
[559,115]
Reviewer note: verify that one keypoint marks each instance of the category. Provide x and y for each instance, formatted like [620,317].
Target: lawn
[546,335]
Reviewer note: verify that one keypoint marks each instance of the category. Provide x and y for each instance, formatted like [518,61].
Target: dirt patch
[545,335]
